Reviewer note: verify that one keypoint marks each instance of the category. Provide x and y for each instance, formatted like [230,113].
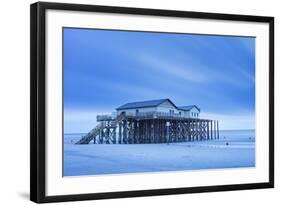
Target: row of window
[193,114]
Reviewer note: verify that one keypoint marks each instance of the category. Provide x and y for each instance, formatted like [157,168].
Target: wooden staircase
[96,131]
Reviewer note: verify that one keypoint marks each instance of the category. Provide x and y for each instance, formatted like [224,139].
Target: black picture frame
[38,101]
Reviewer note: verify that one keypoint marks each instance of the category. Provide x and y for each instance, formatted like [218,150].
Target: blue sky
[105,69]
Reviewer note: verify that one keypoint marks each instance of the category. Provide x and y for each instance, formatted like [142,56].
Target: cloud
[175,69]
[199,72]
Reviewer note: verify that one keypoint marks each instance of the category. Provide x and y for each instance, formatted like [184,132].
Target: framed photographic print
[129,102]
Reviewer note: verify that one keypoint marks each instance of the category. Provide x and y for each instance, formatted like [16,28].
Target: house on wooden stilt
[154,121]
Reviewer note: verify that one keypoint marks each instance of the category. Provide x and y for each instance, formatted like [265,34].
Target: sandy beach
[235,149]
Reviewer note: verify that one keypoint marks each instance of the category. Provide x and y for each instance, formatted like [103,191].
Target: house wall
[193,113]
[166,107]
[163,107]
[133,111]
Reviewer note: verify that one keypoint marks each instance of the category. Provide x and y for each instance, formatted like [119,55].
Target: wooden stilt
[215,129]
[218,131]
[124,130]
[208,130]
[211,129]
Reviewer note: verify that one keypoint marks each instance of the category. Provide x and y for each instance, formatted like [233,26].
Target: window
[137,111]
[171,112]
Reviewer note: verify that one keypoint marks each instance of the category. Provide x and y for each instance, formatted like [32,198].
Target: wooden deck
[147,116]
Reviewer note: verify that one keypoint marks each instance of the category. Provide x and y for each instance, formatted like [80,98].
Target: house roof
[142,104]
[189,107]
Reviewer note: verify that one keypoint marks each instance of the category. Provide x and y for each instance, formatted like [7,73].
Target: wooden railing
[152,114]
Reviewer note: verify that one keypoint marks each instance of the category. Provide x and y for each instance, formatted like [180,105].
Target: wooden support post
[155,130]
[101,137]
[95,139]
[168,132]
[200,130]
[129,127]
[175,132]
[142,132]
[171,130]
[120,133]
[132,132]
[215,130]
[205,129]
[178,131]
[137,132]
[152,131]
[163,131]
[204,126]
[125,132]
[197,130]
[189,131]
[193,132]
[146,132]
[107,136]
[218,131]
[114,135]
[158,131]
[149,131]
[211,129]
[208,130]
[186,124]
[148,135]
[128,131]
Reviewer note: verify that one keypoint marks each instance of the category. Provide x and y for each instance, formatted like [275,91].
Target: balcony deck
[149,115]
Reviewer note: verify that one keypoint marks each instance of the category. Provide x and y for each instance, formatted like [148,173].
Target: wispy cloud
[104,69]
[197,72]
[175,69]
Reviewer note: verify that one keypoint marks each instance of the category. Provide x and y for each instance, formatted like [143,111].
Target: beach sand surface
[234,149]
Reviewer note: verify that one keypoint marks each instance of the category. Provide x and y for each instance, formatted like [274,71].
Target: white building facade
[162,107]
